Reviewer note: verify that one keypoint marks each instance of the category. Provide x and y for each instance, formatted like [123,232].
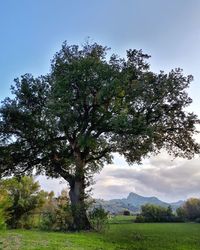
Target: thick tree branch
[99,155]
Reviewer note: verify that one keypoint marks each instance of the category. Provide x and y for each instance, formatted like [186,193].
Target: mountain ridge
[133,203]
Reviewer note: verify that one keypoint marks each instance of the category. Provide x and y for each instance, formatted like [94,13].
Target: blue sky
[32,31]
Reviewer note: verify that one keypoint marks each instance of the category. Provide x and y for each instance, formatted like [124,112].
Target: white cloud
[50,184]
[160,176]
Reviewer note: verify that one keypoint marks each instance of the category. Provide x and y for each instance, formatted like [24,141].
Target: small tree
[25,198]
[99,219]
[56,214]
[190,209]
[70,122]
[154,213]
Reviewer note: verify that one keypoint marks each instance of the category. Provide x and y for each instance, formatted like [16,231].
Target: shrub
[177,219]
[99,219]
[2,221]
[180,211]
[197,220]
[56,214]
[153,213]
[190,210]
[4,204]
[29,220]
[25,198]
[126,212]
[139,219]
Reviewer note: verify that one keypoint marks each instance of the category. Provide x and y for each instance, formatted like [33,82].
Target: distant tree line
[189,211]
[154,213]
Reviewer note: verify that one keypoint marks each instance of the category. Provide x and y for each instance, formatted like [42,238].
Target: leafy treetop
[90,107]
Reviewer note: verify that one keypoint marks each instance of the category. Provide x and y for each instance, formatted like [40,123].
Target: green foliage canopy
[92,106]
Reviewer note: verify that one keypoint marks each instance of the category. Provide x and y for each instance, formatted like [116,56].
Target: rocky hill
[133,203]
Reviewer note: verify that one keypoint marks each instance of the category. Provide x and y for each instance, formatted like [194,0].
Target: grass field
[121,235]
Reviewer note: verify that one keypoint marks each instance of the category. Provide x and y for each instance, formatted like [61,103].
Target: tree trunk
[77,196]
[77,193]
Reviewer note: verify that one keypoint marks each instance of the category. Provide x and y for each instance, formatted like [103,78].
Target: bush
[126,213]
[56,215]
[139,219]
[2,218]
[197,220]
[4,205]
[25,198]
[190,210]
[24,205]
[153,213]
[99,219]
[177,219]
[2,222]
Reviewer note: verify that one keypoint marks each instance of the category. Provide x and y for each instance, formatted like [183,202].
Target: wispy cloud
[161,176]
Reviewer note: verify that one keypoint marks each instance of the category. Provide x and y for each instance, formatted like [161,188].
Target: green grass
[121,219]
[121,236]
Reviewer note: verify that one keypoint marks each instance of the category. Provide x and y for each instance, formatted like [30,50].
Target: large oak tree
[69,122]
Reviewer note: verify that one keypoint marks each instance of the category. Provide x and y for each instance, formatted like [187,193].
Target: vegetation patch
[119,236]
